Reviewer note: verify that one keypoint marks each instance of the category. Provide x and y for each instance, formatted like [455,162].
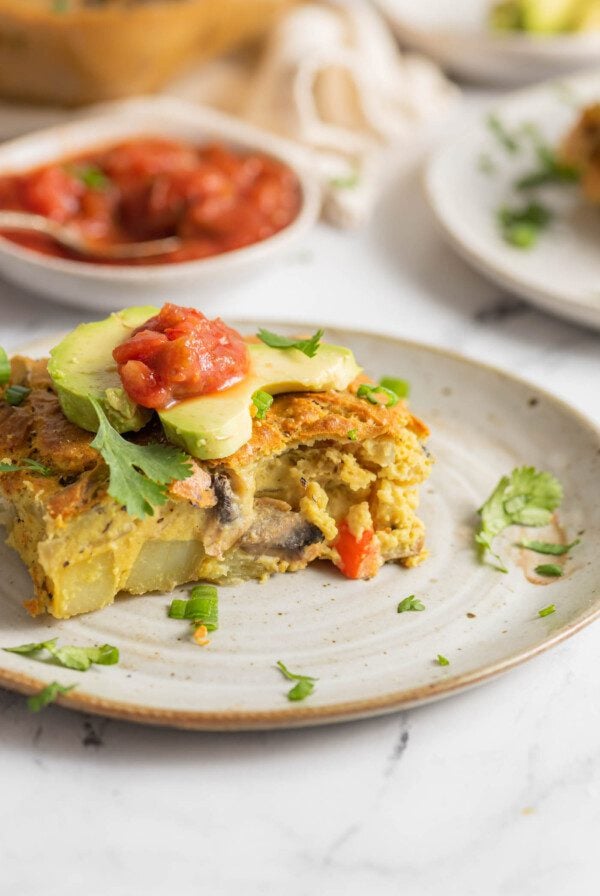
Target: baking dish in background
[71,52]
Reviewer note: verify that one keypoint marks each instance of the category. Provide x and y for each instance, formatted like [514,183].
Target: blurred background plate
[471,177]
[457,35]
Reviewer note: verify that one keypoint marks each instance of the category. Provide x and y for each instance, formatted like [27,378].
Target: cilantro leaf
[410,603]
[527,497]
[26,649]
[71,657]
[304,686]
[308,346]
[262,401]
[547,547]
[139,474]
[47,695]
[549,569]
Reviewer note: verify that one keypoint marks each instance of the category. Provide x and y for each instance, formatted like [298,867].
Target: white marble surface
[495,792]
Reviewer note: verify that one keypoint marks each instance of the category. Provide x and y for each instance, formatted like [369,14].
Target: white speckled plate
[472,176]
[368,658]
[456,34]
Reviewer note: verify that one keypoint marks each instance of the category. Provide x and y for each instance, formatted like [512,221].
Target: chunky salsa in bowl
[211,197]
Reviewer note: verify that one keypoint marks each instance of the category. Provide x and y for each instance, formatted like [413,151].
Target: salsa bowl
[94,285]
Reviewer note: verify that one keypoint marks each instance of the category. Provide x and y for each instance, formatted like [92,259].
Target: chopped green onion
[47,695]
[370,394]
[506,139]
[4,368]
[550,171]
[549,569]
[547,547]
[14,395]
[485,164]
[302,689]
[547,611]
[308,346]
[410,603]
[29,464]
[93,177]
[305,684]
[78,658]
[442,660]
[521,227]
[262,401]
[400,387]
[345,183]
[352,434]
[202,608]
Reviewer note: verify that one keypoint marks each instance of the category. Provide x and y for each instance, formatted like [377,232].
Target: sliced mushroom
[227,506]
[282,533]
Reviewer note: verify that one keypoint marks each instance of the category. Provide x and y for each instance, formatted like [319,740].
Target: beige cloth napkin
[332,79]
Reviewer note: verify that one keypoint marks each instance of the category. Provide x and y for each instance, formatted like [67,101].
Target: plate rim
[568,308]
[350,710]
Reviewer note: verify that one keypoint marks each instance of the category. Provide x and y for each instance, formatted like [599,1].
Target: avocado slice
[535,16]
[82,367]
[216,425]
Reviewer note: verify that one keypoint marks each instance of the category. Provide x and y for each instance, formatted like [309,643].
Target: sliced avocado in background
[216,425]
[82,367]
[547,16]
[537,16]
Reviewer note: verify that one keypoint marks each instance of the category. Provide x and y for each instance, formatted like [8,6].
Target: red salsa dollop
[180,354]
[213,198]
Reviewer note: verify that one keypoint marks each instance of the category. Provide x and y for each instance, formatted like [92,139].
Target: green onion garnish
[410,603]
[4,368]
[345,183]
[29,464]
[550,171]
[47,695]
[308,346]
[370,393]
[352,434]
[202,608]
[262,401]
[522,226]
[400,387]
[442,660]
[549,569]
[303,688]
[14,395]
[547,611]
[546,547]
[501,133]
[93,177]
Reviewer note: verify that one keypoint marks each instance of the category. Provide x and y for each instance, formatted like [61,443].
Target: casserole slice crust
[317,461]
